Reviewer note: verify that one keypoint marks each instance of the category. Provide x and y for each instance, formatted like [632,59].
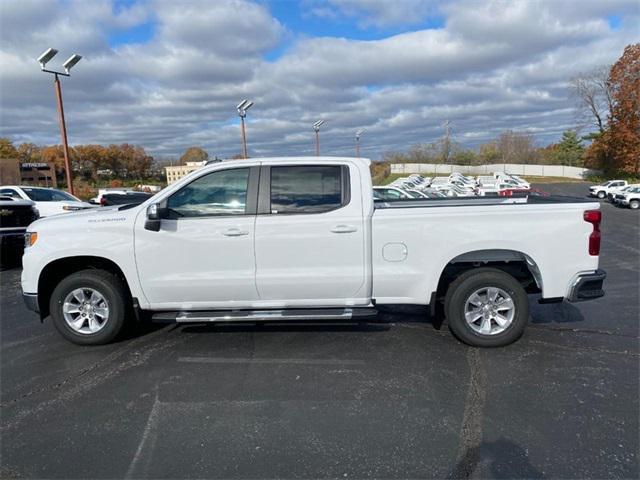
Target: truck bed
[477,201]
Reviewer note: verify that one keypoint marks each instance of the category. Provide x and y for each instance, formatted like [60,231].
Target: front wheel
[89,307]
[634,204]
[487,307]
[601,195]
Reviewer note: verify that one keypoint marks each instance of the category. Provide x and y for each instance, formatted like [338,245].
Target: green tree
[194,154]
[570,149]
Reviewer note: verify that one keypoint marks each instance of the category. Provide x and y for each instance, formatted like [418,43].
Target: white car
[390,193]
[289,239]
[631,198]
[49,201]
[613,195]
[603,189]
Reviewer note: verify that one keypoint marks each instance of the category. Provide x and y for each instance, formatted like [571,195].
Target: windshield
[47,195]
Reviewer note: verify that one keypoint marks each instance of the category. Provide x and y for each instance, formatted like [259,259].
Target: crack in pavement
[473,418]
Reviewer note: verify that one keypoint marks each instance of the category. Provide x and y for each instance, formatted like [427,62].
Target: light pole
[358,133]
[242,108]
[316,128]
[71,61]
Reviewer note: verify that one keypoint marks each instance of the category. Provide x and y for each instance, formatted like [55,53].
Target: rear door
[309,236]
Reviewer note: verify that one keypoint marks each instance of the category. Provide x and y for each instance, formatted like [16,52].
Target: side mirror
[153,220]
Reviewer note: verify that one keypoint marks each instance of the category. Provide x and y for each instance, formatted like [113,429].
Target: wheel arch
[514,262]
[60,268]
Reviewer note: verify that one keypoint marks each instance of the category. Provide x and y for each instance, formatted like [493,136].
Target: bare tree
[516,147]
[592,91]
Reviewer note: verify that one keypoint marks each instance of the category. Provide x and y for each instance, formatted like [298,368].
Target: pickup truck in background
[278,239]
[601,191]
[15,216]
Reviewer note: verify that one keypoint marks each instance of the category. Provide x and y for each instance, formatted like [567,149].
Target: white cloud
[495,65]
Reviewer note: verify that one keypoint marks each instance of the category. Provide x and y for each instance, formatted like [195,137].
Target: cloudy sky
[168,74]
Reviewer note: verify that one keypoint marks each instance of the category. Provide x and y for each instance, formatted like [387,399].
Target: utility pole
[446,144]
[358,133]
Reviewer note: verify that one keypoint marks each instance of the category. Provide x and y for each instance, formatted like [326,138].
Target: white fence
[513,168]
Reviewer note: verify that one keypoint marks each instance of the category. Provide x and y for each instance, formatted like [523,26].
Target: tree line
[90,162]
[509,147]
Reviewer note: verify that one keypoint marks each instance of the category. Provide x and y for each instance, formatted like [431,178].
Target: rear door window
[307,188]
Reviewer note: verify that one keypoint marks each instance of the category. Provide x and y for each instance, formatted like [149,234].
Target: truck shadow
[555,313]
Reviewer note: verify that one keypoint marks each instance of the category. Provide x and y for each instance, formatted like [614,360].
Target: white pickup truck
[278,239]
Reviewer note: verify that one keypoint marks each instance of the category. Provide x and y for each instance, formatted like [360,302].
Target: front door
[203,255]
[309,236]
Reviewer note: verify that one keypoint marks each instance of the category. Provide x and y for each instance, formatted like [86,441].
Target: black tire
[601,195]
[460,291]
[634,204]
[110,287]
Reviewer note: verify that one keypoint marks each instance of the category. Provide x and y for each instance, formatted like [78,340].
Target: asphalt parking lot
[393,399]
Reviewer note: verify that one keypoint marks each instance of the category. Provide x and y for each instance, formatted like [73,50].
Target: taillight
[594,217]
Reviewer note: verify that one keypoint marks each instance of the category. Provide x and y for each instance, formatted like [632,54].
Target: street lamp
[316,128]
[242,108]
[71,61]
[358,133]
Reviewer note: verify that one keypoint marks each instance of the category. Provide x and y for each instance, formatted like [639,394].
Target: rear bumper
[31,301]
[587,286]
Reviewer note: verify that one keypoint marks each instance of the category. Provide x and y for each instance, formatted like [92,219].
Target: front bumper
[587,286]
[31,301]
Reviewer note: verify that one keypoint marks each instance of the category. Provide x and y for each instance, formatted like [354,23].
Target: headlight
[30,238]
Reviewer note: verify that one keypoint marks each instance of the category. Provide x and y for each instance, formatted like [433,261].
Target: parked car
[613,192]
[280,239]
[49,201]
[602,190]
[390,193]
[126,198]
[631,198]
[103,191]
[512,192]
[15,216]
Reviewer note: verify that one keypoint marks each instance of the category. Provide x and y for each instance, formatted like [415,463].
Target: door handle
[234,232]
[344,229]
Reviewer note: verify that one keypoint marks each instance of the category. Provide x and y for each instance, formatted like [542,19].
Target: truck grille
[16,216]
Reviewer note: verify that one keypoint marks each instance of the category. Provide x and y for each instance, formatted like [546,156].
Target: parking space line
[271,361]
[148,436]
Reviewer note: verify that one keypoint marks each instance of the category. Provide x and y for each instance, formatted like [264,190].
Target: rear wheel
[487,307]
[635,204]
[89,307]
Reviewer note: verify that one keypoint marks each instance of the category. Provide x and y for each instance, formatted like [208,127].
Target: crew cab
[280,239]
[630,198]
[603,189]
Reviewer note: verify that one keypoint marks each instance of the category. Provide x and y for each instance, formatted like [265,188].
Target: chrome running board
[267,315]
